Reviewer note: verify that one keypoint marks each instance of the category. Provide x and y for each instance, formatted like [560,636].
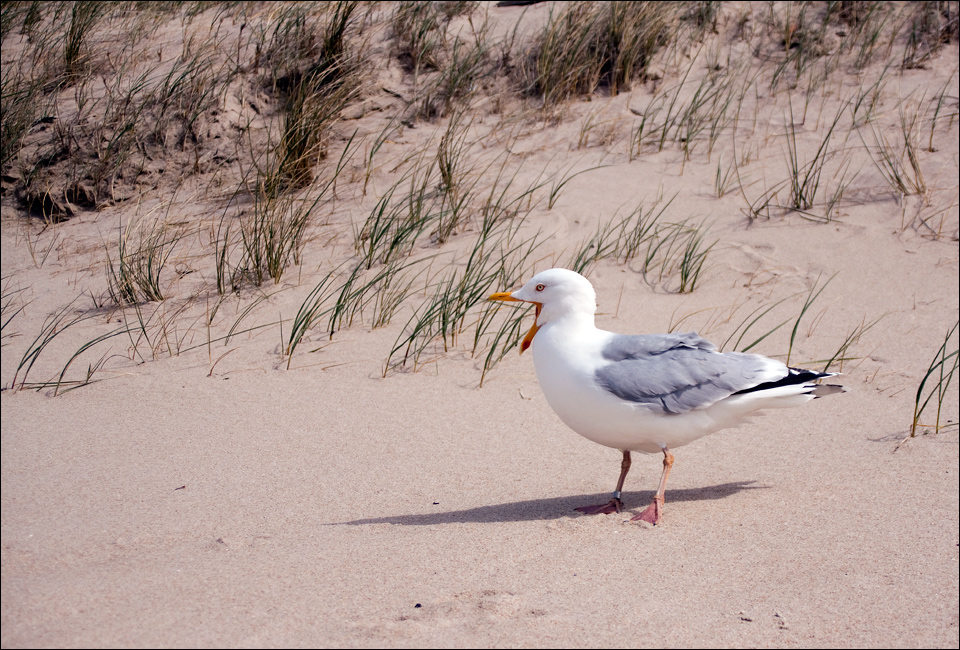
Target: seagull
[647,393]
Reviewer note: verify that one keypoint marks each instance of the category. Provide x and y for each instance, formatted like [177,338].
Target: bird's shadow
[555,508]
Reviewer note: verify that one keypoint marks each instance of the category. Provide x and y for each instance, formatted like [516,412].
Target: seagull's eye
[540,287]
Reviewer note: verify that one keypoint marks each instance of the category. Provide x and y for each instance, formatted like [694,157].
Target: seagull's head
[557,293]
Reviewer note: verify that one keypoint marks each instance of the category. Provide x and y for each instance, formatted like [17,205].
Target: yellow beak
[506,296]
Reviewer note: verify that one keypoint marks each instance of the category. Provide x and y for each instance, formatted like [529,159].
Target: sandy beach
[186,470]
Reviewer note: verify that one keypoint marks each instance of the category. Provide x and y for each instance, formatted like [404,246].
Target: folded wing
[677,373]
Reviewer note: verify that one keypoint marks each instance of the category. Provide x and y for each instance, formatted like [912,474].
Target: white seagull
[644,393]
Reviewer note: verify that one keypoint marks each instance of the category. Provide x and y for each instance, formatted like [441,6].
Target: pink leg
[654,511]
[615,504]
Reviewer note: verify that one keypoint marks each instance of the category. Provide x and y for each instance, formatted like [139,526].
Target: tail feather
[797,376]
[822,390]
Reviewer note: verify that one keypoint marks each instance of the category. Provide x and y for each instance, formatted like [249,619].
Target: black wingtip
[801,376]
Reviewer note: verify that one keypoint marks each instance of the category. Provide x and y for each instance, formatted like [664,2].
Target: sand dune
[206,474]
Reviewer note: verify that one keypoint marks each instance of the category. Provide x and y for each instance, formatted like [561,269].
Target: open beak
[506,296]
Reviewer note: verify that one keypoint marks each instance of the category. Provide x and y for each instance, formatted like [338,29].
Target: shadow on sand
[556,508]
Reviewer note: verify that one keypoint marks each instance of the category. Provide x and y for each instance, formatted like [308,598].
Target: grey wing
[623,346]
[680,376]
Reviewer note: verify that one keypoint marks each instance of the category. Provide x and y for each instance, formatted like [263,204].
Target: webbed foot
[608,508]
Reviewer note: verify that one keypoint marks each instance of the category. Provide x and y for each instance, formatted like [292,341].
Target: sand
[200,500]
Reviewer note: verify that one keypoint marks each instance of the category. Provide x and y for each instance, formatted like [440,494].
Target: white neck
[569,312]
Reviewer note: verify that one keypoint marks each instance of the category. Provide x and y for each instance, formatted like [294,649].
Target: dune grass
[53,325]
[256,119]
[939,374]
[853,338]
[804,178]
[668,254]
[418,35]
[499,257]
[315,91]
[144,248]
[307,315]
[586,45]
[898,160]
[11,306]
[744,341]
[84,15]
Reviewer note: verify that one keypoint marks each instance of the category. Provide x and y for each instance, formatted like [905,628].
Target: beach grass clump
[812,294]
[11,306]
[324,77]
[723,179]
[676,251]
[931,25]
[443,192]
[84,16]
[25,93]
[448,67]
[418,35]
[53,326]
[703,14]
[341,301]
[272,231]
[384,234]
[24,14]
[866,100]
[191,88]
[405,211]
[693,258]
[745,325]
[939,374]
[897,158]
[497,332]
[463,68]
[605,242]
[62,384]
[143,249]
[498,257]
[743,343]
[688,115]
[18,109]
[355,292]
[272,235]
[458,176]
[639,226]
[587,45]
[665,251]
[79,138]
[308,313]
[868,24]
[804,178]
[842,354]
[798,32]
